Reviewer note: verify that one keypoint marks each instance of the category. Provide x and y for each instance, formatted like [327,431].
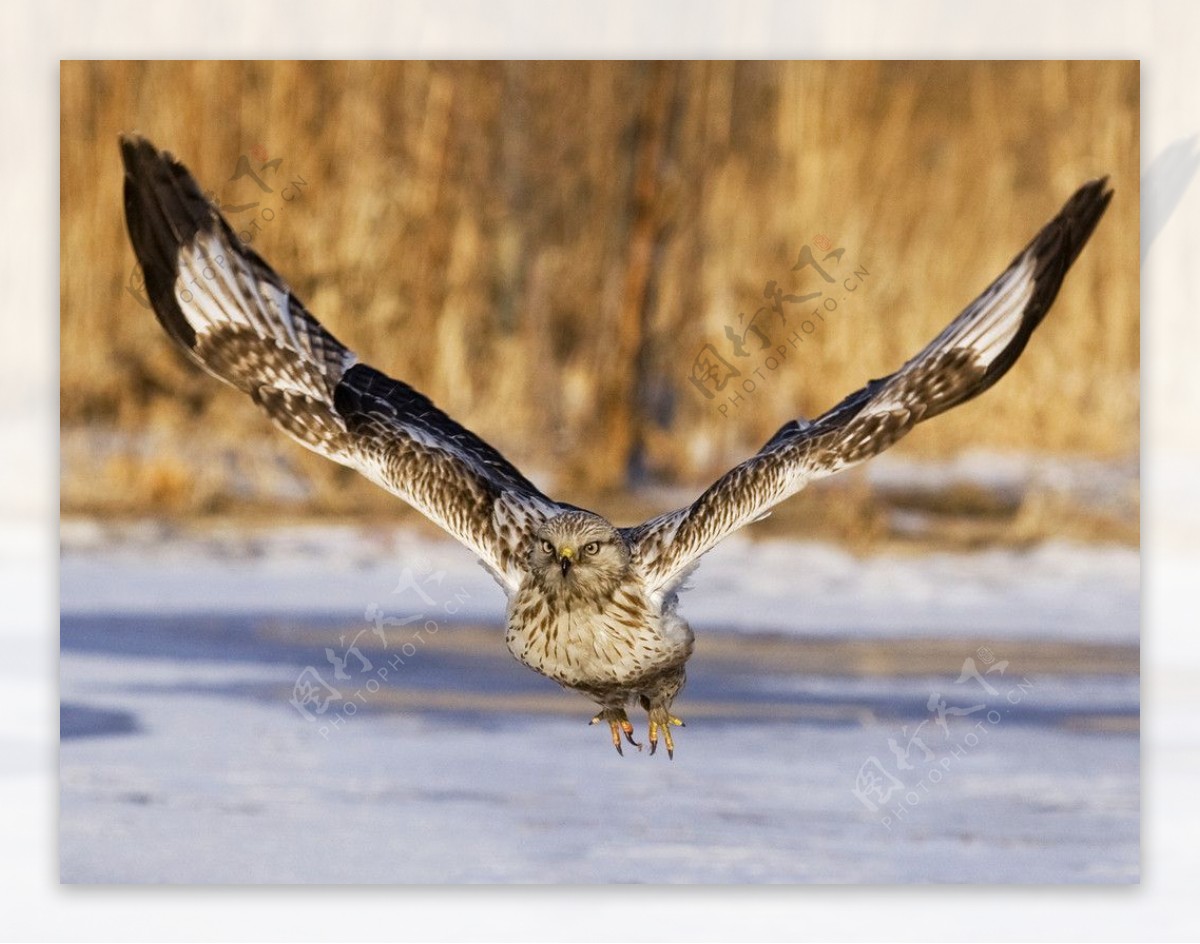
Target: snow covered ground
[973,733]
[1057,590]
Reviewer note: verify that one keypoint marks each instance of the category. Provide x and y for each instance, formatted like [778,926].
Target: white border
[1163,34]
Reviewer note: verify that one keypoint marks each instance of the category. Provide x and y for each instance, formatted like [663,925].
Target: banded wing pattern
[974,351]
[236,318]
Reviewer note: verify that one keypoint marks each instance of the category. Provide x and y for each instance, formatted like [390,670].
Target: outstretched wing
[970,355]
[236,318]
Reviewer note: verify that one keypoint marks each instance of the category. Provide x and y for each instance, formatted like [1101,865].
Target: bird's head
[579,553]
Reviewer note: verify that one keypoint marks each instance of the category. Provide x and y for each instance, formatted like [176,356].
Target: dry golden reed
[544,249]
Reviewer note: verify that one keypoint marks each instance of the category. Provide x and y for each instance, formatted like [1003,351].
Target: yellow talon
[666,733]
[619,724]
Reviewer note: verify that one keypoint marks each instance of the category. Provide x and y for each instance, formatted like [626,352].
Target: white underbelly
[587,647]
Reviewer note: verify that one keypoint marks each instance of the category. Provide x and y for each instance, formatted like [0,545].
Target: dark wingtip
[164,208]
[1079,216]
[1054,250]
[142,159]
[131,143]
[1061,240]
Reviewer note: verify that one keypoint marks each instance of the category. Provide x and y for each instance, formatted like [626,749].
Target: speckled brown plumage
[590,606]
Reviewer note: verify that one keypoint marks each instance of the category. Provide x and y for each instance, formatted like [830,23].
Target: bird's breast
[594,644]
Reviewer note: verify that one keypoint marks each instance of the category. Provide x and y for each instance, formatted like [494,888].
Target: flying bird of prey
[590,605]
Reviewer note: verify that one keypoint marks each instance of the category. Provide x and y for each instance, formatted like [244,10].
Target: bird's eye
[591,548]
[547,547]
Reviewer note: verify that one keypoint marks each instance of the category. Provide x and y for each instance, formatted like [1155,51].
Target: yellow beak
[565,556]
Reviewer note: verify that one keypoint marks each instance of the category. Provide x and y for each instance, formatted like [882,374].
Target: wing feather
[237,319]
[974,351]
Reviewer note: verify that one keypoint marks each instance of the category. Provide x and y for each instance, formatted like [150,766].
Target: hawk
[590,605]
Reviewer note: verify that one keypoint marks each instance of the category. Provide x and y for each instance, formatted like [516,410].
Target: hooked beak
[565,559]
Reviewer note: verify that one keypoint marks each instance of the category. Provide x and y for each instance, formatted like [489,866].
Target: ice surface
[1052,591]
[183,761]
[215,788]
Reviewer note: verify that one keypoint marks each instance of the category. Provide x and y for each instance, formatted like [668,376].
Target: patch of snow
[213,788]
[1058,590]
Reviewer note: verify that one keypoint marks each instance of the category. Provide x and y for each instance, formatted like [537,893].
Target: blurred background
[626,276]
[587,262]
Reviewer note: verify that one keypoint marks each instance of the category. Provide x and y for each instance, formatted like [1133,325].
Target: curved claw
[666,733]
[619,725]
